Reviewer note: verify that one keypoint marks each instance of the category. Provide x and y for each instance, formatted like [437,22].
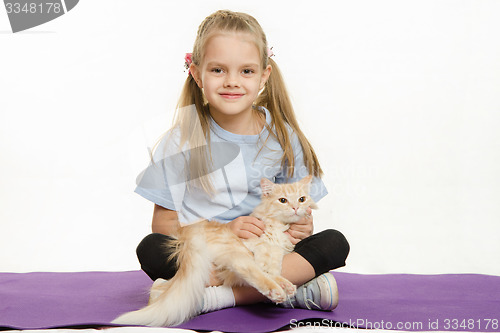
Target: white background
[401,100]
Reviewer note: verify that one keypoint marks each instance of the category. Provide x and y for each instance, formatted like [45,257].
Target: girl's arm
[165,221]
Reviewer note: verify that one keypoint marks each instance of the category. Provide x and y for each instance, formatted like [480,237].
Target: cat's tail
[182,296]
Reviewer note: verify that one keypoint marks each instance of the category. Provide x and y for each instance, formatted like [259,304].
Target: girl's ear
[265,76]
[195,72]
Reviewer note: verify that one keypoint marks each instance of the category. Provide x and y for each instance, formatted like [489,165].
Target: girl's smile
[231,96]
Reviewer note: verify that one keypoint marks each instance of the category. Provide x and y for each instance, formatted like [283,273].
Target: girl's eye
[217,70]
[302,199]
[282,200]
[247,71]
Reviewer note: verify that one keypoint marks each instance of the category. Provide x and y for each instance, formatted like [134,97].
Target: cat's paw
[277,295]
[274,292]
[286,285]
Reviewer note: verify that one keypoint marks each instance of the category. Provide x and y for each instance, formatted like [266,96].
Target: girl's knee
[335,242]
[154,257]
[151,245]
[325,250]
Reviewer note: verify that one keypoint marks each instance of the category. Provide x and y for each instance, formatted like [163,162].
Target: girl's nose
[232,80]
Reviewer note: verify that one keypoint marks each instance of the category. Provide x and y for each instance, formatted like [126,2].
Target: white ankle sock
[216,298]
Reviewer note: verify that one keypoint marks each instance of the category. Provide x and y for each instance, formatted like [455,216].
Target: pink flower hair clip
[270,52]
[188,60]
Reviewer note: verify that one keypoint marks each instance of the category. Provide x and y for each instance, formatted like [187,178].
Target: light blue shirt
[241,161]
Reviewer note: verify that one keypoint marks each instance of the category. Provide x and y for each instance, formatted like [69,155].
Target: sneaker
[156,289]
[320,293]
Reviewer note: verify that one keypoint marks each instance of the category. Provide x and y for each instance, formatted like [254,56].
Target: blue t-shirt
[240,162]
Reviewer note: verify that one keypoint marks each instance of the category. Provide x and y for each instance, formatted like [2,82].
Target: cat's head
[287,202]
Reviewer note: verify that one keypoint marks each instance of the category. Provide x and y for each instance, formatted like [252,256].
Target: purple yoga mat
[400,302]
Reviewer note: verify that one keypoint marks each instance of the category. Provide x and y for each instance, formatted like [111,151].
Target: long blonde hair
[273,97]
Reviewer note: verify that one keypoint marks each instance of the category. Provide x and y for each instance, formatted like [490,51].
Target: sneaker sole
[155,290]
[330,292]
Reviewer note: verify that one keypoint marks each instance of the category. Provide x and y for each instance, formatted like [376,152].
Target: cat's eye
[282,200]
[302,199]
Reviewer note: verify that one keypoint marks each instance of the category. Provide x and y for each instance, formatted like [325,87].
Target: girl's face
[231,75]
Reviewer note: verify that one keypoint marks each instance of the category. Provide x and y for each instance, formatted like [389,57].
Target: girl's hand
[301,229]
[247,227]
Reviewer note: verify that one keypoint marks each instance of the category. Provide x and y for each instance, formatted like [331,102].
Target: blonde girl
[235,125]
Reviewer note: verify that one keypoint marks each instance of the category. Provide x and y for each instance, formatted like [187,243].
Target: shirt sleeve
[163,182]
[318,188]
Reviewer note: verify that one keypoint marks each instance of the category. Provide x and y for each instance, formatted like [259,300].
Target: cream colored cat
[204,245]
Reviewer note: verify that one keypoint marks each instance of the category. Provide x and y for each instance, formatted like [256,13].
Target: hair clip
[188,60]
[270,52]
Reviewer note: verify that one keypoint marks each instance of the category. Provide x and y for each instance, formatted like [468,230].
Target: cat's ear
[306,180]
[266,186]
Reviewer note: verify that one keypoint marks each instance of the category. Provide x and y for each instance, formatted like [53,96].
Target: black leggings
[325,251]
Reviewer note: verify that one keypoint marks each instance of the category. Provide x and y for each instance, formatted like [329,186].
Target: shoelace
[307,300]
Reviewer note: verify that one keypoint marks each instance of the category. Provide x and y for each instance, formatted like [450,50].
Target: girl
[235,125]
